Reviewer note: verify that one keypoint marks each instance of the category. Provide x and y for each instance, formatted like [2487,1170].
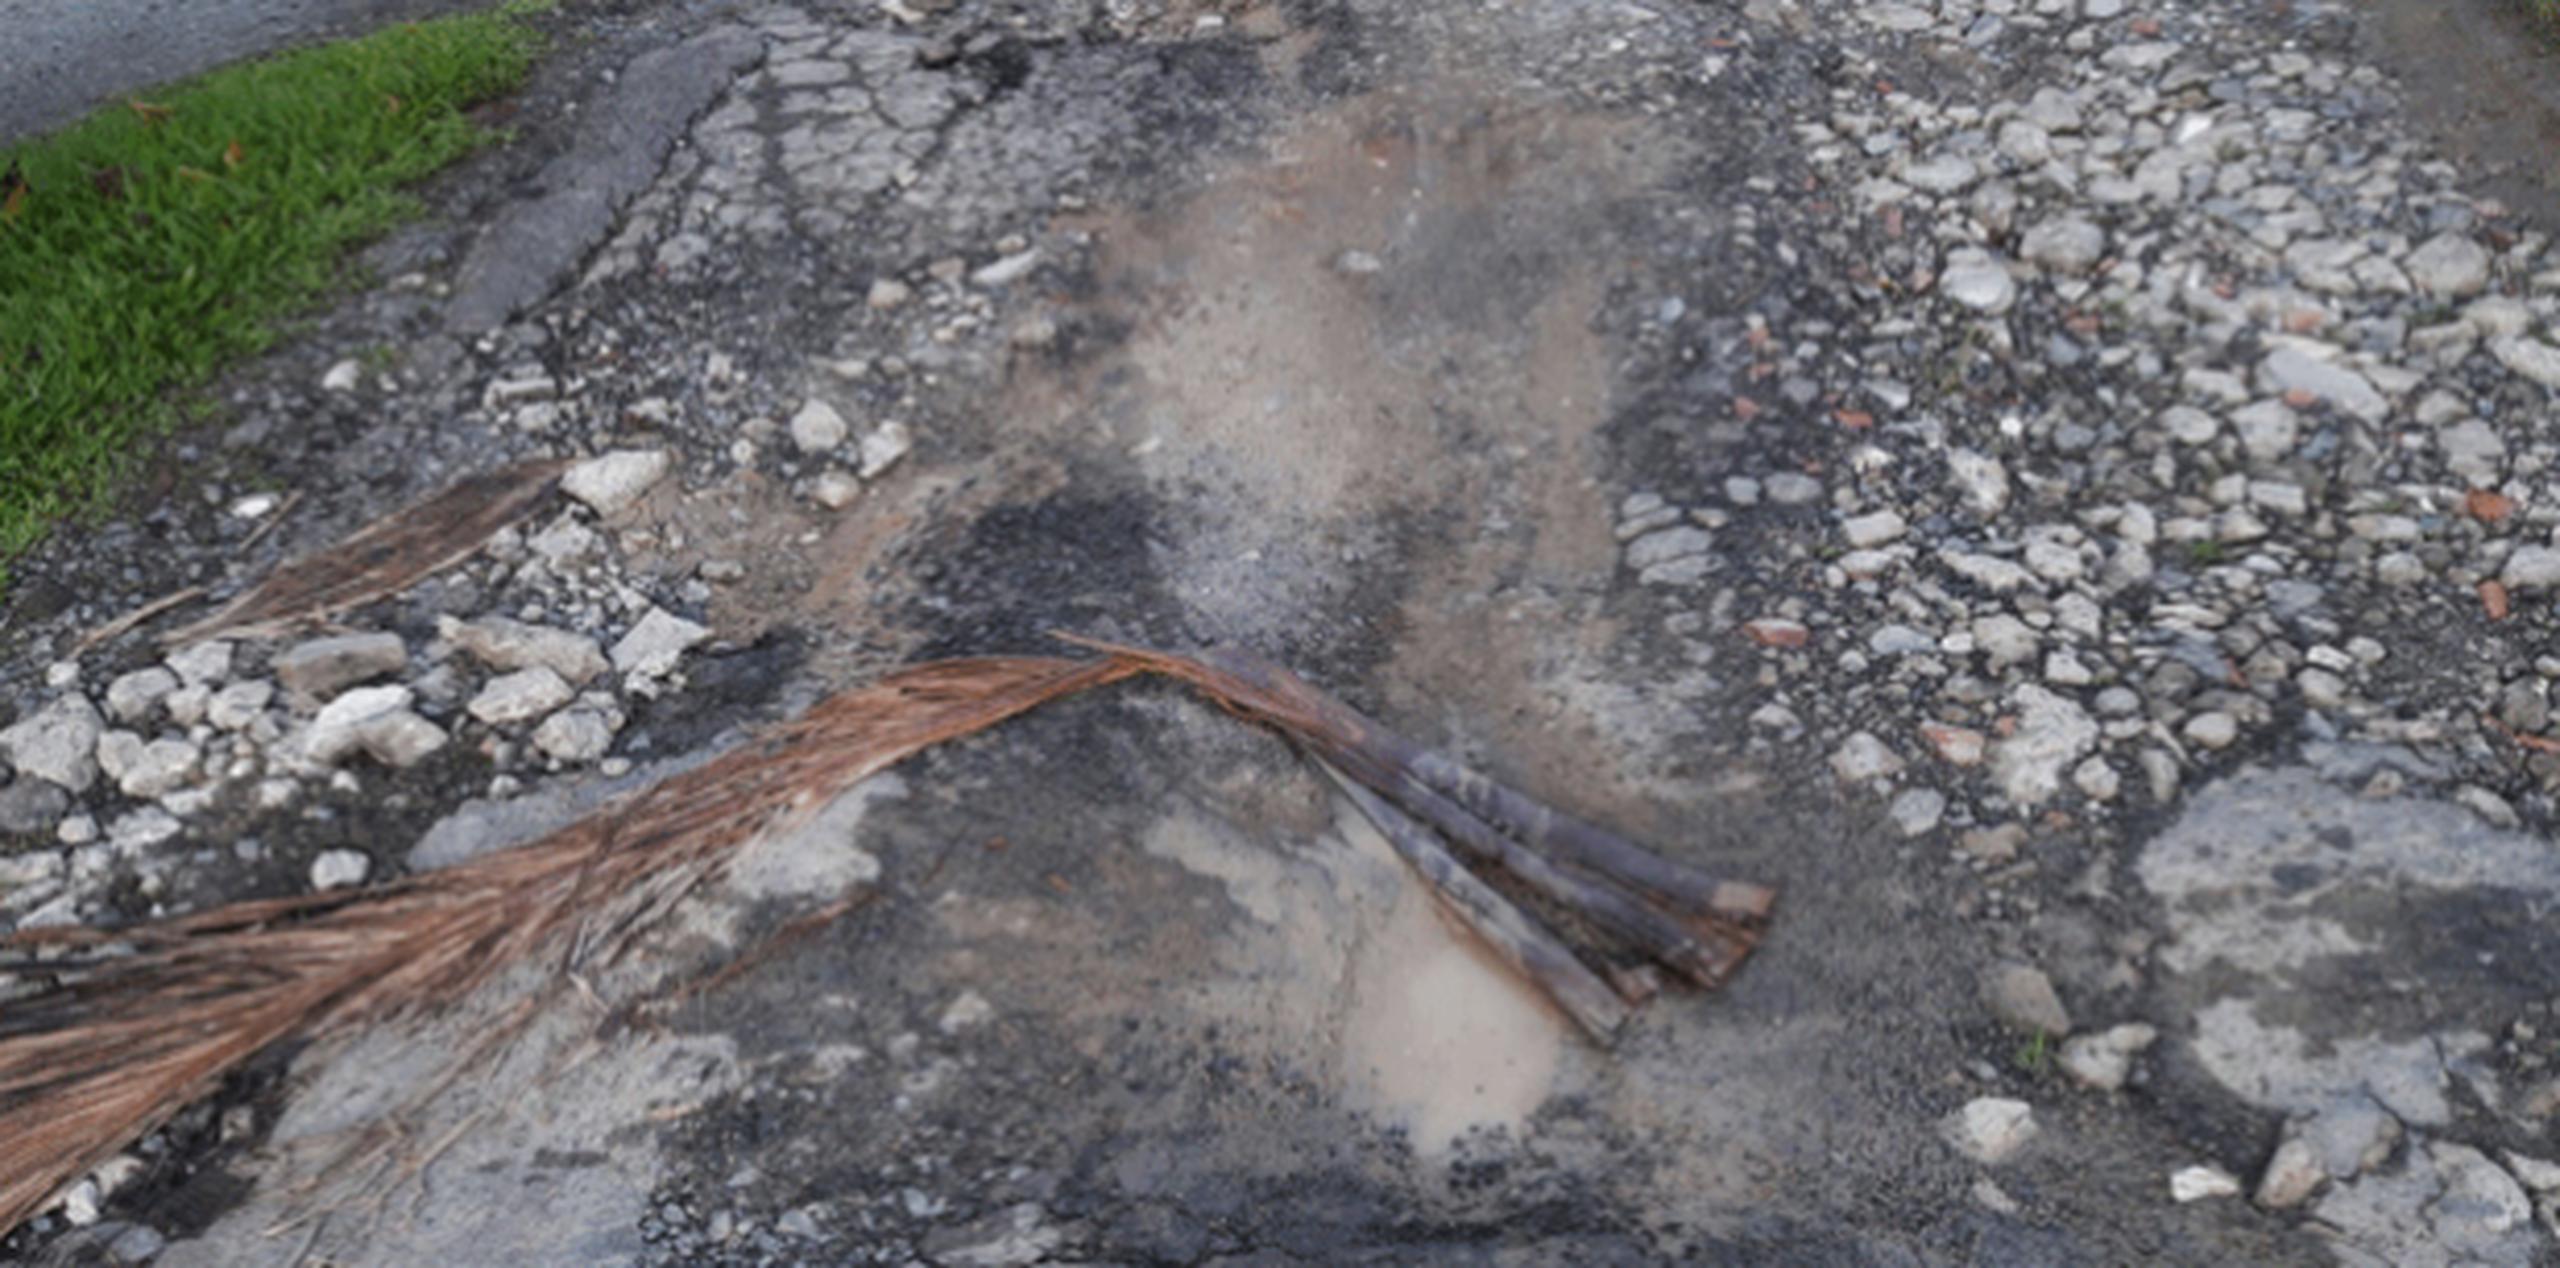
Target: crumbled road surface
[2059,487]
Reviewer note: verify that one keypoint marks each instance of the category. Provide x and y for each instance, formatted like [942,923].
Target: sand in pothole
[1355,969]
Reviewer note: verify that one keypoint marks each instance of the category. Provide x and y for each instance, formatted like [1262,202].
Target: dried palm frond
[128,1026]
[385,557]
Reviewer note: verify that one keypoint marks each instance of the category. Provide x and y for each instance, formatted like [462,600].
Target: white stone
[2291,1175]
[239,704]
[1974,278]
[338,730]
[887,293]
[2214,730]
[2197,1183]
[883,447]
[574,735]
[818,428]
[835,489]
[2449,266]
[1983,479]
[58,743]
[968,1011]
[1873,529]
[2292,369]
[612,481]
[2529,357]
[337,869]
[132,697]
[1990,1129]
[1863,757]
[2053,732]
[1005,271]
[342,377]
[205,662]
[2067,244]
[655,644]
[521,696]
[2105,1060]
[159,767]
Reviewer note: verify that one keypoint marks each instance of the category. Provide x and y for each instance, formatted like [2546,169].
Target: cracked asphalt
[2054,486]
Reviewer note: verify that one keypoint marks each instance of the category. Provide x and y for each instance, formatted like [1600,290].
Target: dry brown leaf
[232,154]
[149,113]
[2487,506]
[2493,599]
[386,557]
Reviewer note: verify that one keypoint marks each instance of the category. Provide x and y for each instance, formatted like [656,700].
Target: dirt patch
[2485,81]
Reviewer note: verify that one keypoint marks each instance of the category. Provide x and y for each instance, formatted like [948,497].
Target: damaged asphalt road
[2049,487]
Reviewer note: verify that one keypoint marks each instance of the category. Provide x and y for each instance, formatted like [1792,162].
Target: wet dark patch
[723,691]
[1079,560]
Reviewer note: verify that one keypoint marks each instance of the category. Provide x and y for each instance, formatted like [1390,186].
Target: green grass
[149,243]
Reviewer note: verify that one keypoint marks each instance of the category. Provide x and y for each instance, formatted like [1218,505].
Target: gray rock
[337,869]
[2053,732]
[339,729]
[2213,730]
[655,644]
[2004,640]
[1791,488]
[1862,757]
[239,704]
[610,482]
[29,806]
[132,697]
[150,770]
[2067,244]
[835,489]
[2473,451]
[2292,1175]
[505,644]
[2449,266]
[1873,529]
[2105,1060]
[1662,547]
[322,666]
[58,743]
[1982,478]
[2023,999]
[574,735]
[1917,811]
[2532,568]
[206,662]
[521,696]
[883,446]
[2528,357]
[1941,174]
[1010,1238]
[1974,278]
[1990,1129]
[141,829]
[2290,369]
[818,428]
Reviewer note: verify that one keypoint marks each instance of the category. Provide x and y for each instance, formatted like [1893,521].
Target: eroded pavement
[2056,488]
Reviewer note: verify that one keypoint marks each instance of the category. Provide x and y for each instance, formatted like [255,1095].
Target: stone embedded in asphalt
[817,428]
[506,644]
[1989,1129]
[2532,568]
[2529,357]
[2023,999]
[146,770]
[2448,266]
[1863,757]
[610,482]
[337,869]
[1013,1237]
[2053,732]
[2065,244]
[1974,278]
[888,293]
[656,642]
[1917,811]
[521,696]
[342,377]
[58,743]
[30,806]
[2212,730]
[322,666]
[1873,529]
[2292,369]
[1006,271]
